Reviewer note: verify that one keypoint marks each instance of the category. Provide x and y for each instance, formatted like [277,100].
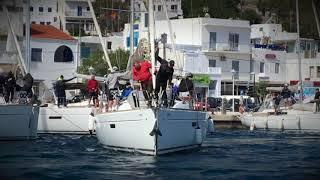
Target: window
[146,19]
[49,9]
[261,67]
[276,68]
[63,54]
[235,66]
[233,41]
[42,23]
[212,85]
[79,11]
[109,45]
[31,9]
[212,63]
[55,19]
[40,9]
[311,71]
[33,22]
[36,54]
[154,8]
[213,41]
[48,23]
[159,8]
[88,8]
[261,29]
[318,71]
[174,8]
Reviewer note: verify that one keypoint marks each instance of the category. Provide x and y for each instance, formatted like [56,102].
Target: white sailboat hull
[130,130]
[294,120]
[18,122]
[72,120]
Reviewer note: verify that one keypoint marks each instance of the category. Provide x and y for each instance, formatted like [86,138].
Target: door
[79,11]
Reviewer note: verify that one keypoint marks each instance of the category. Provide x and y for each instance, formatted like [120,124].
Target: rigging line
[67,119]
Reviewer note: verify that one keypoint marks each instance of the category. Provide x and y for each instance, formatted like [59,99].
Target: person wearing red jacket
[93,87]
[142,74]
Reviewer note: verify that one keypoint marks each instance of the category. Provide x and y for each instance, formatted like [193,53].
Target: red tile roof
[48,32]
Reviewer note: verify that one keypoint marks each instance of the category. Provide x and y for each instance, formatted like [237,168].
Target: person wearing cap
[61,90]
[163,77]
[10,84]
[142,74]
[126,91]
[286,95]
[317,100]
[112,84]
[93,88]
[186,87]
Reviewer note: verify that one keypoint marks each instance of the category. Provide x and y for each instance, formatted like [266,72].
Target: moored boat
[152,131]
[18,122]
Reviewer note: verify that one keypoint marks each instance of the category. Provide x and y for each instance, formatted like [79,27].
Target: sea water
[226,154]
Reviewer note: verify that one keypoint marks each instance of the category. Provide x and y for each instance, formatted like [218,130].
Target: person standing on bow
[10,84]
[163,77]
[286,95]
[61,90]
[112,83]
[317,100]
[93,88]
[142,74]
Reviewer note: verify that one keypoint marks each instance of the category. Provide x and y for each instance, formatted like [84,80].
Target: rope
[68,120]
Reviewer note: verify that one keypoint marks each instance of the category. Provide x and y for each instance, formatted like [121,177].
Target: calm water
[236,154]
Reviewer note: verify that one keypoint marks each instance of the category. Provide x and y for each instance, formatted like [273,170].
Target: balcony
[214,70]
[79,14]
[226,47]
[81,0]
[207,70]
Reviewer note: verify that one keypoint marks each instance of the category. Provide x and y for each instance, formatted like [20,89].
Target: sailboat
[151,130]
[17,121]
[299,117]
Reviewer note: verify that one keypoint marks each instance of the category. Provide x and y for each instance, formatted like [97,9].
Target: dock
[227,121]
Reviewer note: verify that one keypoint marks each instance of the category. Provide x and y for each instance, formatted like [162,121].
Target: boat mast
[104,48]
[173,44]
[316,16]
[151,40]
[21,61]
[298,49]
[131,28]
[28,60]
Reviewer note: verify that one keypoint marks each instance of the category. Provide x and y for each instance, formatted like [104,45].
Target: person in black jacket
[27,85]
[61,90]
[286,95]
[163,77]
[186,86]
[2,82]
[10,84]
[317,100]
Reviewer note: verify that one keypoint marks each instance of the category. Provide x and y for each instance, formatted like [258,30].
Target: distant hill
[256,11]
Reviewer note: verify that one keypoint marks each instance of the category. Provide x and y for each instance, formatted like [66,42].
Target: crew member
[61,90]
[93,88]
[163,77]
[142,74]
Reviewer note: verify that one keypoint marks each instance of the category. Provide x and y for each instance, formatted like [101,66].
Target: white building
[173,7]
[221,43]
[275,56]
[90,44]
[67,15]
[53,53]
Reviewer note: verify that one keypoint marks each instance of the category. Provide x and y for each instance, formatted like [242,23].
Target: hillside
[256,11]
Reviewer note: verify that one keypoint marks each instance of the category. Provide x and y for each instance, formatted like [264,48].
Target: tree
[261,89]
[251,16]
[118,58]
